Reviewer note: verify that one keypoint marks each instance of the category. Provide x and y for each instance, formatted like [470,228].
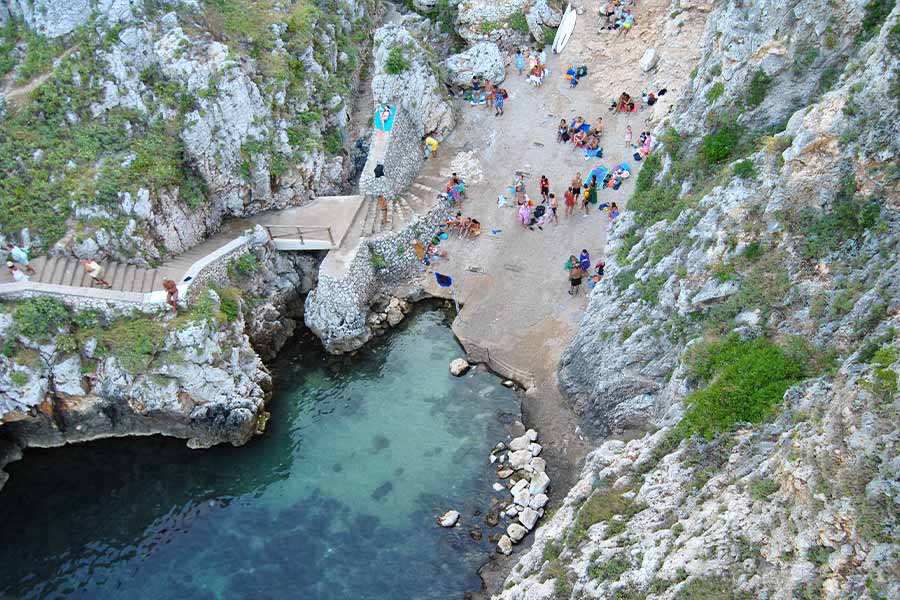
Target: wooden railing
[299,232]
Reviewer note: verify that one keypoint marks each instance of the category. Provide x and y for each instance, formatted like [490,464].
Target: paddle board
[566,27]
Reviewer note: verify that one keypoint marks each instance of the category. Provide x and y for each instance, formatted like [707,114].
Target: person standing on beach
[489,93]
[554,208]
[569,197]
[590,196]
[500,101]
[628,135]
[520,61]
[545,188]
[576,273]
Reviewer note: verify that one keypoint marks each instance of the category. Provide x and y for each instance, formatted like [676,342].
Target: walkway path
[326,223]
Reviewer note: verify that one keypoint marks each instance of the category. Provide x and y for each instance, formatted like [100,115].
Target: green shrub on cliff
[40,318]
[759,87]
[741,381]
[876,12]
[133,341]
[518,22]
[396,62]
[720,145]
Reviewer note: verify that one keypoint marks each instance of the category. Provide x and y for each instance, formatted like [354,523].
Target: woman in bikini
[545,188]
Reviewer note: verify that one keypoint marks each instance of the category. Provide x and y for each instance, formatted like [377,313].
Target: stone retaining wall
[402,157]
[336,310]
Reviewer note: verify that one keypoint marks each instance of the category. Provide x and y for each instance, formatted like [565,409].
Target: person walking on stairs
[20,257]
[383,207]
[95,272]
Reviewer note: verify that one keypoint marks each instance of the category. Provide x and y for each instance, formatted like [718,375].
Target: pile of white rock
[523,474]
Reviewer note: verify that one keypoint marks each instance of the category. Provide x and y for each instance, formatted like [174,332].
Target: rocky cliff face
[159,119]
[70,376]
[749,317]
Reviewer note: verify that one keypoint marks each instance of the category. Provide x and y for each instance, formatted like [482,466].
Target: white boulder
[539,484]
[483,59]
[528,518]
[516,532]
[520,458]
[504,546]
[538,501]
[649,60]
[458,366]
[449,518]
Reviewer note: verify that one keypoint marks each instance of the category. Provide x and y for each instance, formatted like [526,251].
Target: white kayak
[564,32]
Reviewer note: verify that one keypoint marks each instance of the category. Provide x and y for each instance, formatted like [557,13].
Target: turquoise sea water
[336,501]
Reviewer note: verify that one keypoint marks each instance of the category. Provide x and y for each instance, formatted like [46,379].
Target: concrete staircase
[417,200]
[123,278]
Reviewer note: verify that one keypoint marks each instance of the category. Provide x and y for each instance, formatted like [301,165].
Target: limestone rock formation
[482,59]
[194,126]
[408,80]
[507,23]
[787,242]
[90,374]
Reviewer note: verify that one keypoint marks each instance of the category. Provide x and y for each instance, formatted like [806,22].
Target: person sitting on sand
[592,148]
[576,125]
[597,129]
[536,76]
[475,229]
[622,104]
[579,138]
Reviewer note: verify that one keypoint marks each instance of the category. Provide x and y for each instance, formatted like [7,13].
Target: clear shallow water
[336,501]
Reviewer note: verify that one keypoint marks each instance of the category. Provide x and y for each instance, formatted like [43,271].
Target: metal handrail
[298,231]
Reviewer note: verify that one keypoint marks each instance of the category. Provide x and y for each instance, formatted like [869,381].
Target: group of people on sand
[616,16]
[584,136]
[536,62]
[485,92]
[579,267]
[463,227]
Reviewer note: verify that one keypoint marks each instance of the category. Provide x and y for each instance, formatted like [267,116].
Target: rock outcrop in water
[76,375]
[749,318]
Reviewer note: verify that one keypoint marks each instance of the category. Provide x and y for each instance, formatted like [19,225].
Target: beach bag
[581,72]
[617,183]
[637,156]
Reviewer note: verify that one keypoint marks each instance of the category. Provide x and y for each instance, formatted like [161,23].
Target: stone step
[427,189]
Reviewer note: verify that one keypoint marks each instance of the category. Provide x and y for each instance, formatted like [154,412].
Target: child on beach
[520,61]
[545,188]
[628,135]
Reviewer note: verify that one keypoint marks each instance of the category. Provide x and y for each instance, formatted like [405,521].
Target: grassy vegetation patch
[743,383]
[761,489]
[848,219]
[518,22]
[602,505]
[745,169]
[876,12]
[715,92]
[711,588]
[134,342]
[884,379]
[609,570]
[720,145]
